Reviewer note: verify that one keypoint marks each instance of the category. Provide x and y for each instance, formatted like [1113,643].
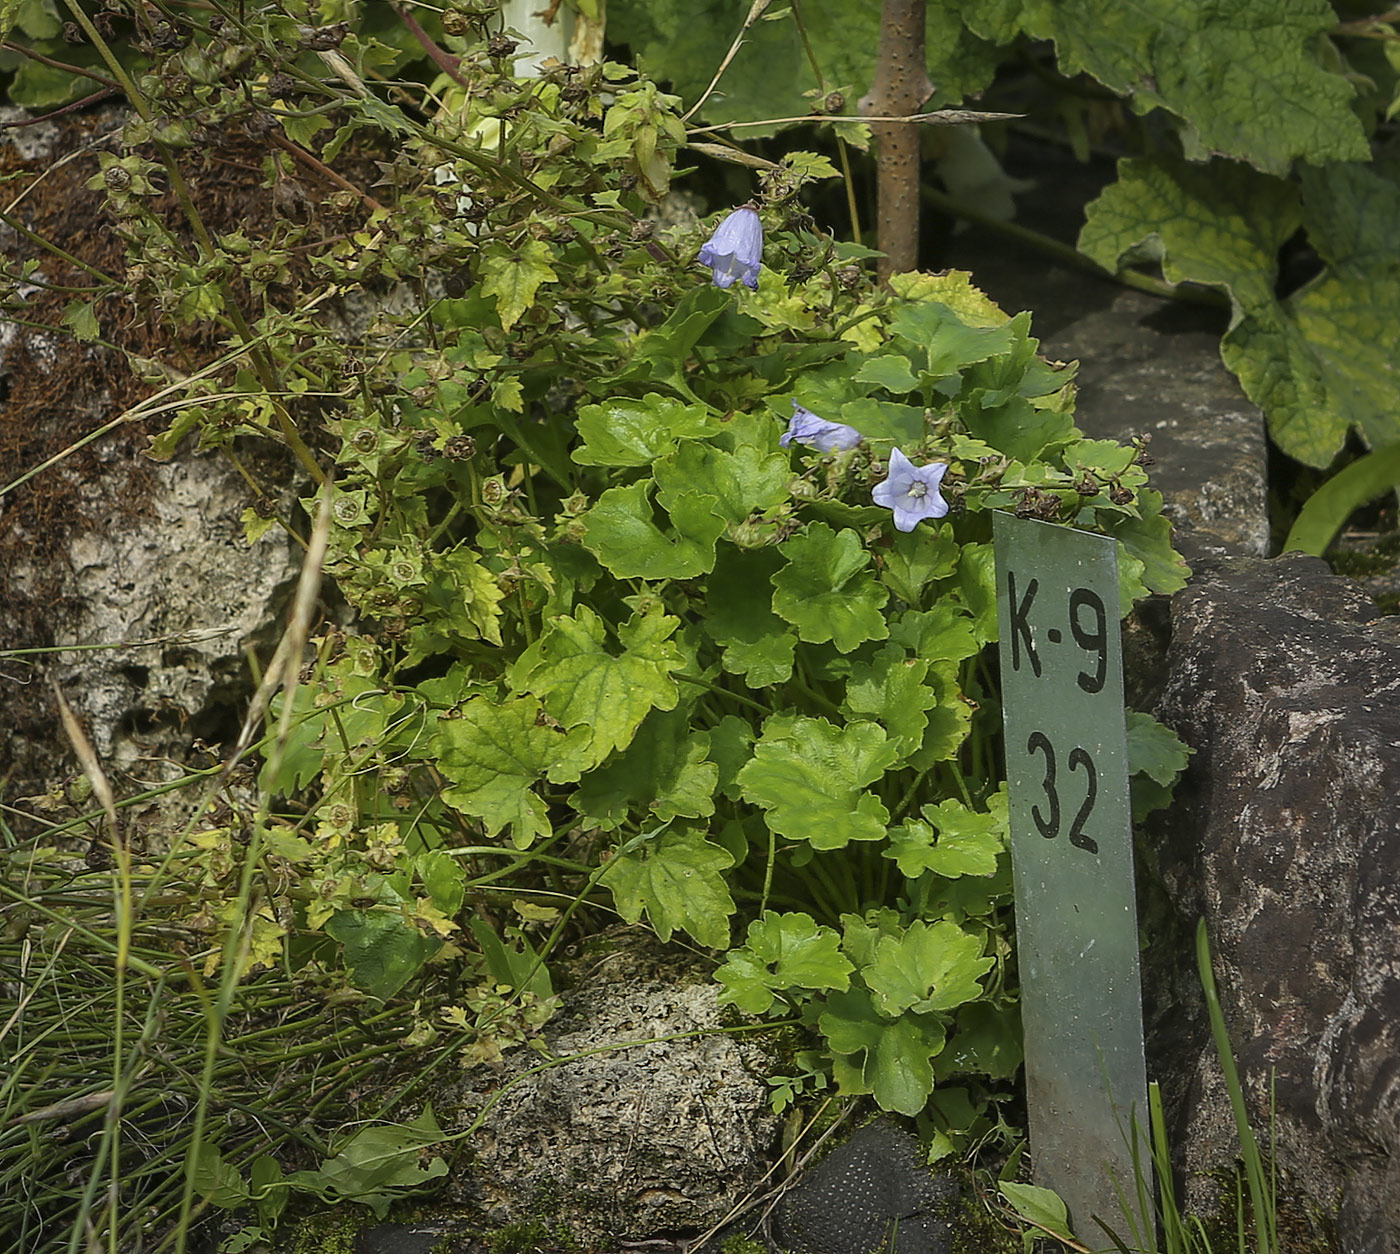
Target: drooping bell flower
[807,428]
[912,491]
[735,250]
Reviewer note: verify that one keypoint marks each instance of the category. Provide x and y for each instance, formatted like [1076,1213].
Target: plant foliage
[612,649]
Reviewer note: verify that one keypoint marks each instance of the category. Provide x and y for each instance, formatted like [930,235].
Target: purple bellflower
[806,428]
[912,491]
[735,250]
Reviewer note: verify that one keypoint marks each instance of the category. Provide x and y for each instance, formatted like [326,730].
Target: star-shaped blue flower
[806,428]
[912,491]
[735,250]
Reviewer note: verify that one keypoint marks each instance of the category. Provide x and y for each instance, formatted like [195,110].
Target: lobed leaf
[678,880]
[810,778]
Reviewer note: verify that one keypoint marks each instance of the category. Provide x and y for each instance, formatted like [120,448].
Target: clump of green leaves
[616,651]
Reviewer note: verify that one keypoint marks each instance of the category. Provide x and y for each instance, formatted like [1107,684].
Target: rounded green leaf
[826,590]
[931,967]
[810,777]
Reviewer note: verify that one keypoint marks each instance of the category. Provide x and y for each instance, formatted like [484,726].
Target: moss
[327,1232]
[1358,564]
[527,1235]
[972,1228]
[1302,1229]
[742,1245]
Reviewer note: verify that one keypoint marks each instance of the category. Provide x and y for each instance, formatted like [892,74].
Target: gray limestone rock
[1286,837]
[1148,369]
[178,590]
[620,1143]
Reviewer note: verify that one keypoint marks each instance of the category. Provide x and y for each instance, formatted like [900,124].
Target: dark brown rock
[1286,837]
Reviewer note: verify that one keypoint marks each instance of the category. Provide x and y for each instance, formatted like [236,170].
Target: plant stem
[901,85]
[1068,255]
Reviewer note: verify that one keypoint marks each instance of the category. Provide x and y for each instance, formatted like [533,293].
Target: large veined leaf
[1319,363]
[1244,78]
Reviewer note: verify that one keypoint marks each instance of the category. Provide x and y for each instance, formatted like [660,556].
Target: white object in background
[541,40]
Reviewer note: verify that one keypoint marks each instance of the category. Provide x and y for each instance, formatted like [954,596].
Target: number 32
[1049,827]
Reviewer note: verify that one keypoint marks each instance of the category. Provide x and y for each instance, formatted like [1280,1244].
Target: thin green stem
[841,152]
[138,101]
[1071,256]
[62,254]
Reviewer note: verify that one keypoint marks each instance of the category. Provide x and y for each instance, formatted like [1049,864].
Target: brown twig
[60,65]
[446,62]
[901,85]
[321,168]
[58,113]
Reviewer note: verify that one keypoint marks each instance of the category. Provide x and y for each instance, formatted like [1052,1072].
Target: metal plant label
[1072,863]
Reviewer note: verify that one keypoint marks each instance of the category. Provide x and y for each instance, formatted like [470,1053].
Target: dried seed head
[289,200]
[323,38]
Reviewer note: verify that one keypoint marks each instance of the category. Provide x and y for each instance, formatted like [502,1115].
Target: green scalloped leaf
[664,773]
[967,842]
[513,275]
[941,634]
[678,880]
[917,558]
[890,371]
[626,432]
[731,746]
[949,721]
[621,533]
[604,695]
[492,755]
[743,482]
[810,778]
[890,1060]
[757,643]
[826,590]
[932,967]
[949,344]
[781,952]
[890,690]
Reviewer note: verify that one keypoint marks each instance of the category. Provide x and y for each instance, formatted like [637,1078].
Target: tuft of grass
[1256,1224]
